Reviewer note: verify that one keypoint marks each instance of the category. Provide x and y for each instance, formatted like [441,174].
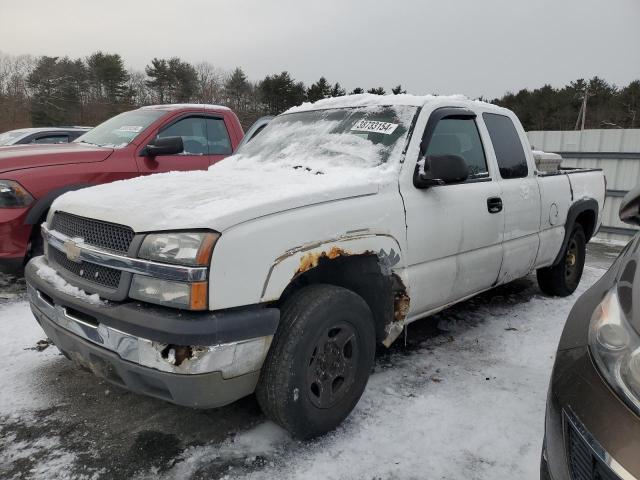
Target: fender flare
[580,206]
[43,204]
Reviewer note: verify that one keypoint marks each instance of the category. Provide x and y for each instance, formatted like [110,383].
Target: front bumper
[200,360]
[14,238]
[589,431]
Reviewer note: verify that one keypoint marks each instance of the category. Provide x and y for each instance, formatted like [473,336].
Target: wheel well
[363,275]
[587,219]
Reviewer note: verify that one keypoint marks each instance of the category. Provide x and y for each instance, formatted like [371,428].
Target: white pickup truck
[280,268]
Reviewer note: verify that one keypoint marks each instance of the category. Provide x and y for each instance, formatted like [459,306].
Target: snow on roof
[177,106]
[369,99]
[49,129]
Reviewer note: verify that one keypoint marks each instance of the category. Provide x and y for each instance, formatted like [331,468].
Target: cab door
[454,231]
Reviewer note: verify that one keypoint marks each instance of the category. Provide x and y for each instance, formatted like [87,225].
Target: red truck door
[205,139]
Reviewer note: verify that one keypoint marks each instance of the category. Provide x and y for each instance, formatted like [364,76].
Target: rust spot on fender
[401,303]
[311,259]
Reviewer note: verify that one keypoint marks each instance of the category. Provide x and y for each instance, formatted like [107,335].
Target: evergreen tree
[279,92]
[319,90]
[338,91]
[357,91]
[237,88]
[56,85]
[160,79]
[108,78]
[397,90]
[377,91]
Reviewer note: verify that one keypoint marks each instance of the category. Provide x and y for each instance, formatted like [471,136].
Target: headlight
[182,248]
[615,347]
[14,195]
[188,296]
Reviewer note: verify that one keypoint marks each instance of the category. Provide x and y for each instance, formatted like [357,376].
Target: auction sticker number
[374,126]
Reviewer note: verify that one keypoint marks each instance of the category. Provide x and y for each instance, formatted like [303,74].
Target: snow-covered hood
[227,194]
[30,156]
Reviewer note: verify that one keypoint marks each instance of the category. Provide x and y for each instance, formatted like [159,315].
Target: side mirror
[630,208]
[440,170]
[164,146]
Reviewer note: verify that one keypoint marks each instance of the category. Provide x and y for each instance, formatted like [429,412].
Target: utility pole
[582,114]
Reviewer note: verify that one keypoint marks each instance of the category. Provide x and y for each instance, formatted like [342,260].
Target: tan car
[593,408]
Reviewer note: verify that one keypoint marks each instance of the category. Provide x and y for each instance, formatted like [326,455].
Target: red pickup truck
[148,140]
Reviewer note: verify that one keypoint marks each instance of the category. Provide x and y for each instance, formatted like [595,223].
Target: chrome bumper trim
[91,254]
[596,448]
[231,359]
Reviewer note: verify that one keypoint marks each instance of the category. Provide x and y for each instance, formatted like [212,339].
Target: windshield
[345,137]
[120,130]
[7,138]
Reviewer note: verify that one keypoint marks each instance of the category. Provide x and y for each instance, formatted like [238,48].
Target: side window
[52,139]
[459,136]
[507,145]
[217,137]
[193,131]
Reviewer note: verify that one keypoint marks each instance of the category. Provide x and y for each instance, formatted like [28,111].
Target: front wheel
[562,279]
[319,361]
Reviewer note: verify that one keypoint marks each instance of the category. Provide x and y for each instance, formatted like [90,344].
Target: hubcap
[571,262]
[332,367]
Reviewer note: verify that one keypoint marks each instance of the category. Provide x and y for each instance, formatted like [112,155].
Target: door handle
[494,204]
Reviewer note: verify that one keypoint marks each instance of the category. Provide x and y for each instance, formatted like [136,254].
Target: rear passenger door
[520,197]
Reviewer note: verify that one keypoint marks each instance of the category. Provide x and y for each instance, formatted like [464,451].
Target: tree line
[50,91]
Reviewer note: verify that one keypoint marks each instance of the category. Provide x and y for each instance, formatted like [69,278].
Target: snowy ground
[463,399]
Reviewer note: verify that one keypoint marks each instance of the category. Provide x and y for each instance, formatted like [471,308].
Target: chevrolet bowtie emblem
[72,250]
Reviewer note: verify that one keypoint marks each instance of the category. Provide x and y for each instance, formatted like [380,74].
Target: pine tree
[377,91]
[397,90]
[319,90]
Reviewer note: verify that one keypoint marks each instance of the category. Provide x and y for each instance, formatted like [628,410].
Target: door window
[459,136]
[52,139]
[193,131]
[218,142]
[507,146]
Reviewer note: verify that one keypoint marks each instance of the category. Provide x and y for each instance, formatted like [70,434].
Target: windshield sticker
[130,128]
[375,127]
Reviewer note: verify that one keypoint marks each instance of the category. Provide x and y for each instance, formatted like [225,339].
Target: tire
[319,362]
[561,280]
[36,246]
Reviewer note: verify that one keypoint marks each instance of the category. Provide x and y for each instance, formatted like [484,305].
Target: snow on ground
[463,400]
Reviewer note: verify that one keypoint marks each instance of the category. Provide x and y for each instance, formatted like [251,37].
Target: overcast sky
[475,47]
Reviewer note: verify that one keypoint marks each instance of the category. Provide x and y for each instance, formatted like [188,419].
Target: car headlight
[182,248]
[615,347]
[14,195]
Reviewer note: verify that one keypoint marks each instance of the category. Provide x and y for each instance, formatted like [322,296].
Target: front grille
[583,463]
[110,236]
[90,272]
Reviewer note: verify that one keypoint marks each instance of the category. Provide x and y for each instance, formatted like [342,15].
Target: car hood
[29,156]
[225,195]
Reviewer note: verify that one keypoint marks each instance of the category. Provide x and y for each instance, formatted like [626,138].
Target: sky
[474,47]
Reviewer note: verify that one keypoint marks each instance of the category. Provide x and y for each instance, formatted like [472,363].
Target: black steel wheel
[319,362]
[563,278]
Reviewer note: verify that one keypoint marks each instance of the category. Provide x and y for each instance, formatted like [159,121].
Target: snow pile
[49,275]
